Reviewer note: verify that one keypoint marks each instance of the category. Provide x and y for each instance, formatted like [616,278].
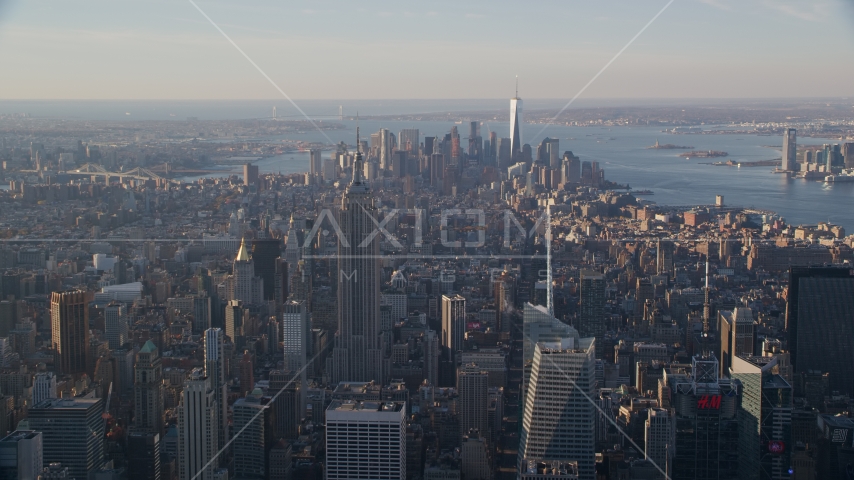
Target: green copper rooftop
[149,347]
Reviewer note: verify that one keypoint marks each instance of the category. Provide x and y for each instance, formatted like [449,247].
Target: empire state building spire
[357,164]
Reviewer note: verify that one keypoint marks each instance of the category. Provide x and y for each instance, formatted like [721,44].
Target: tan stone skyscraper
[453,324]
[247,373]
[148,390]
[69,316]
[246,287]
[358,355]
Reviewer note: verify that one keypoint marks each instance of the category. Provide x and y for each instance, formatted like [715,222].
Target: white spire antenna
[549,289]
[707,273]
[357,162]
[706,309]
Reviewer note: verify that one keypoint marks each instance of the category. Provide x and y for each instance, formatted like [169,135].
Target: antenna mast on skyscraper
[549,289]
[517,86]
[357,162]
[706,311]
[706,301]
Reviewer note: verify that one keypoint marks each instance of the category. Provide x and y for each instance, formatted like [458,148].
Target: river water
[622,152]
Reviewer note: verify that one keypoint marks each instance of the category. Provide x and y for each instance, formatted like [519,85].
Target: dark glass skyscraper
[264,253]
[706,422]
[72,433]
[819,315]
[764,420]
[143,458]
[591,312]
[790,150]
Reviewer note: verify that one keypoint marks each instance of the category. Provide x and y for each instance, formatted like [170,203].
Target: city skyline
[166,50]
[610,283]
[614,324]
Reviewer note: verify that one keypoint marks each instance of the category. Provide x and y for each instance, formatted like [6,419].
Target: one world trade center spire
[516,125]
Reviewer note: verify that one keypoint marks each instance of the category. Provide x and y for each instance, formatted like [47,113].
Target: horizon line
[837,97]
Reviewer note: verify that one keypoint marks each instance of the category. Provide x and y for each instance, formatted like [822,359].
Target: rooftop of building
[242,253]
[149,347]
[553,467]
[124,287]
[738,314]
[591,274]
[254,399]
[837,421]
[757,360]
[65,403]
[355,387]
[486,351]
[351,406]
[776,381]
[567,345]
[19,435]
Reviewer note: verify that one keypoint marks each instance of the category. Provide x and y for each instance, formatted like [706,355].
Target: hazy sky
[165,49]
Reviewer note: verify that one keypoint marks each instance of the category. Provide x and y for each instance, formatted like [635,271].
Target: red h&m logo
[709,402]
[776,446]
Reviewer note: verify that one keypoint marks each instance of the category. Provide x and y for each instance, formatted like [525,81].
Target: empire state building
[357,356]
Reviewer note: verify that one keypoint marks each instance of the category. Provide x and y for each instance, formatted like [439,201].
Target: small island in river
[704,154]
[667,146]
